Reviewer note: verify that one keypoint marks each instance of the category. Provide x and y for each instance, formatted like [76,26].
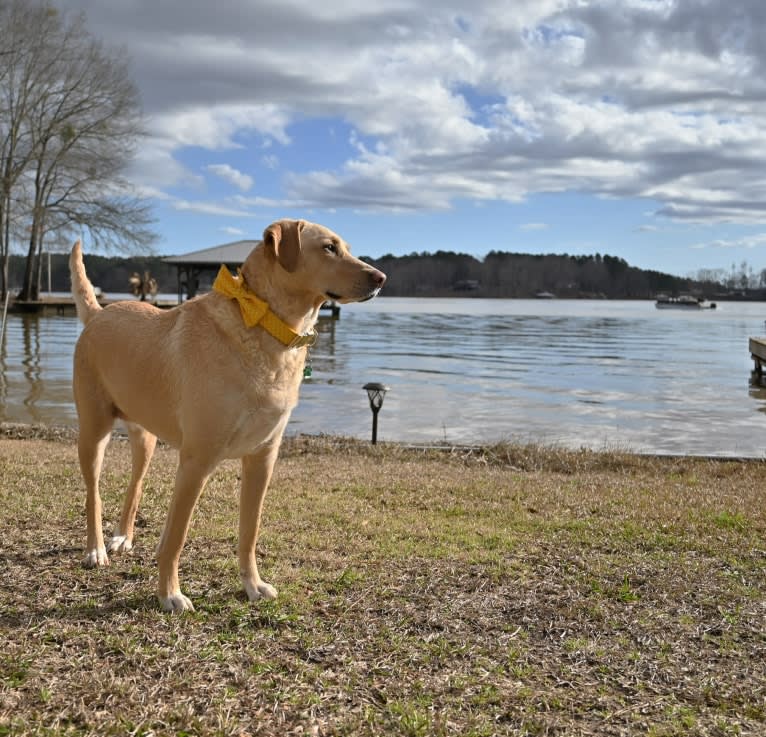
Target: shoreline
[68,434]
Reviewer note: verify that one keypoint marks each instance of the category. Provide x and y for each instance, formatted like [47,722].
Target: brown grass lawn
[508,591]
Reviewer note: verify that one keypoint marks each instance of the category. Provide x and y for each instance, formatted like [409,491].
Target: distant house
[466,285]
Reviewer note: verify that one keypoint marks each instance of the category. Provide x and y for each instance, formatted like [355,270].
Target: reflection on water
[31,362]
[36,365]
[758,390]
[577,373]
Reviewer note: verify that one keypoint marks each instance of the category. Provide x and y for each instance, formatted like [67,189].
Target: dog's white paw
[120,544]
[176,603]
[259,590]
[95,557]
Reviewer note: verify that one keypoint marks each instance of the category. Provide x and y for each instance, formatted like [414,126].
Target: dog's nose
[378,278]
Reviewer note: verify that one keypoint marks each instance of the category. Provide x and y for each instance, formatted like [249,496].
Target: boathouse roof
[228,253]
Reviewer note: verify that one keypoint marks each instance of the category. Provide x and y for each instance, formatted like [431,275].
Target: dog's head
[320,262]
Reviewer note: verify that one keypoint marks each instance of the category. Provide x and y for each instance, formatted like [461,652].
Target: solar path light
[375,393]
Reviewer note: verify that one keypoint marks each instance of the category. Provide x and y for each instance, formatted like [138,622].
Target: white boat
[685,301]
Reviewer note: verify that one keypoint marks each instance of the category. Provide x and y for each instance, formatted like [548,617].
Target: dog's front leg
[256,474]
[190,480]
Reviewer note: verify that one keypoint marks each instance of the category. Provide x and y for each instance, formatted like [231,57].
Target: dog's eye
[331,248]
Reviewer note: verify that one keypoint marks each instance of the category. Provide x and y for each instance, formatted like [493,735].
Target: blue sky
[628,127]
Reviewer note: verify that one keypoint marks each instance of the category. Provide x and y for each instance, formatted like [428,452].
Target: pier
[758,352]
[61,305]
[56,305]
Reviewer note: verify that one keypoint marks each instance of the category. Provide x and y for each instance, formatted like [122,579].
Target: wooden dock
[758,352]
[62,305]
[65,306]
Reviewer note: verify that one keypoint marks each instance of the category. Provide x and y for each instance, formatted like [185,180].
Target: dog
[215,377]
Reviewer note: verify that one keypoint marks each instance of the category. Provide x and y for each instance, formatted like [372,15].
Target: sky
[635,128]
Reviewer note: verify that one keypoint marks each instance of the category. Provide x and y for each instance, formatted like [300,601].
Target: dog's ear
[283,241]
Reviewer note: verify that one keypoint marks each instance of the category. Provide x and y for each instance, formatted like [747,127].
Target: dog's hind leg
[256,474]
[142,444]
[94,436]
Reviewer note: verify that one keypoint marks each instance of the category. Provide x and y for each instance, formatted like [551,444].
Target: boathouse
[193,266]
[199,268]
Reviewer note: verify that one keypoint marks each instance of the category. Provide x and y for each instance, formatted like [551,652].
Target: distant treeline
[440,274]
[111,274]
[502,274]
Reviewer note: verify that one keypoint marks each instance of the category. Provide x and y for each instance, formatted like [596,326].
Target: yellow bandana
[256,312]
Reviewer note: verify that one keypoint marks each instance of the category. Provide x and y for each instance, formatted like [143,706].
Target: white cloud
[751,241]
[231,175]
[270,161]
[215,126]
[208,208]
[229,230]
[533,226]
[263,202]
[642,98]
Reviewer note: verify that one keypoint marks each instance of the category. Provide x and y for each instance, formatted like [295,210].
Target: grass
[499,591]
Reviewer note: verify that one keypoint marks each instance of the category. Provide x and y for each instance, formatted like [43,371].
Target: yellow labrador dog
[216,377]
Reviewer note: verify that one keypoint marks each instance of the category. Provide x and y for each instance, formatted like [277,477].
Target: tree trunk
[30,290]
[4,278]
[29,287]
[4,233]
[39,279]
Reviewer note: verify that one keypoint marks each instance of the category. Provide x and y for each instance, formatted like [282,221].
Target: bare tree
[73,137]
[23,64]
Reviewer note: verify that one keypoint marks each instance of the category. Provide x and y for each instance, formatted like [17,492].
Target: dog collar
[256,312]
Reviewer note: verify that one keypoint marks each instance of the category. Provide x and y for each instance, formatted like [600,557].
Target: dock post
[758,353]
[5,314]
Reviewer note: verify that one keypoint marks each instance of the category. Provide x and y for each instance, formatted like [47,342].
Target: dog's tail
[82,290]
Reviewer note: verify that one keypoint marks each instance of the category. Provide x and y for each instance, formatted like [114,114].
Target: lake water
[576,373]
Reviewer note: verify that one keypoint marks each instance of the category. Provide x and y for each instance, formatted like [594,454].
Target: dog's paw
[120,544]
[259,591]
[176,603]
[95,557]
